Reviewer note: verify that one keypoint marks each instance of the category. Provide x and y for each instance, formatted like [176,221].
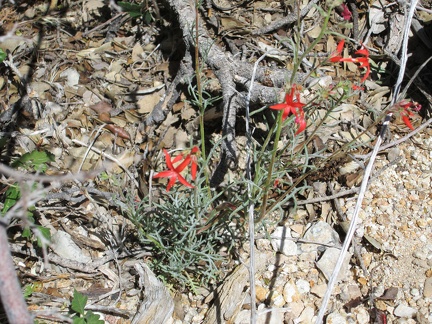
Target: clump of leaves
[2,55]
[81,316]
[136,11]
[185,235]
[35,161]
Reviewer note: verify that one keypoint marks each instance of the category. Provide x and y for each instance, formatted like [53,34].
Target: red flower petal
[279,106]
[407,122]
[340,46]
[168,160]
[184,182]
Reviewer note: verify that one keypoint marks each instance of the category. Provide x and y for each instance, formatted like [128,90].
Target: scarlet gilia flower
[293,106]
[337,56]
[406,110]
[345,12]
[173,173]
[363,59]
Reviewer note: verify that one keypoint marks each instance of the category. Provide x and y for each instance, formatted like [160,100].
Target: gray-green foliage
[184,242]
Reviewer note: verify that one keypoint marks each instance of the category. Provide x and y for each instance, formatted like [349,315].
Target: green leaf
[132,9]
[78,302]
[92,318]
[36,160]
[2,55]
[13,194]
[28,290]
[147,17]
[78,320]
[26,233]
[45,233]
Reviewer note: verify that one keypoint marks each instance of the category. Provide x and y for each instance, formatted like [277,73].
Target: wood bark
[10,289]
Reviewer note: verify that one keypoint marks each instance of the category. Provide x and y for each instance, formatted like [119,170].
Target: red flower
[293,106]
[300,120]
[173,173]
[338,57]
[405,109]
[346,13]
[363,60]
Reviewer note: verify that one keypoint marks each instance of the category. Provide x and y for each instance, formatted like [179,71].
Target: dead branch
[10,290]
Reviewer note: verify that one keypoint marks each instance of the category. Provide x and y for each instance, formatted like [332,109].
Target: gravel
[396,251]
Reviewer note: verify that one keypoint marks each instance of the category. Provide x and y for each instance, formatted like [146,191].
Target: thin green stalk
[198,80]
[200,94]
[270,171]
[311,46]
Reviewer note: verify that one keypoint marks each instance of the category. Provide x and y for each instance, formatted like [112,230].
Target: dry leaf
[228,23]
[147,103]
[102,107]
[315,32]
[376,18]
[137,52]
[119,131]
[105,117]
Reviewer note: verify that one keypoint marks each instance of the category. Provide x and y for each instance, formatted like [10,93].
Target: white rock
[320,232]
[290,292]
[282,241]
[328,261]
[354,292]
[63,245]
[319,290]
[273,317]
[296,308]
[303,286]
[427,290]
[362,315]
[307,316]
[405,311]
[277,299]
[336,318]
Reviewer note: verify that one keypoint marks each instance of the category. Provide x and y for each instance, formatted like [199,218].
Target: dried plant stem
[353,225]
[251,205]
[368,171]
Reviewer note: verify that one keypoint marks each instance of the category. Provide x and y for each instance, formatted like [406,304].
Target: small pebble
[427,289]
[261,293]
[336,318]
[291,293]
[420,254]
[296,308]
[307,315]
[277,299]
[362,315]
[282,241]
[319,290]
[328,261]
[320,232]
[303,286]
[405,311]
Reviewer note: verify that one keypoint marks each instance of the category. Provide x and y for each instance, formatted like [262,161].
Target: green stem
[200,95]
[270,171]
[311,46]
